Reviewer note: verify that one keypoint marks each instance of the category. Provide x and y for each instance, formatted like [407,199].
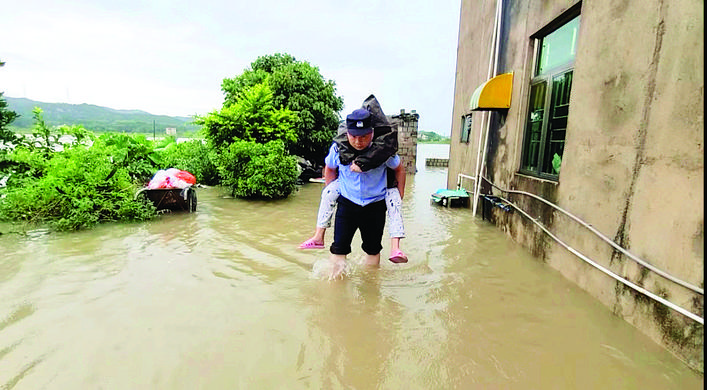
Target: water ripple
[223,296]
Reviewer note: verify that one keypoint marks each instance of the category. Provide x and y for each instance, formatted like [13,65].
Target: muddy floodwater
[222,299]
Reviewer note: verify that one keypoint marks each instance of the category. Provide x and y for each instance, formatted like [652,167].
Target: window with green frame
[548,107]
[466,128]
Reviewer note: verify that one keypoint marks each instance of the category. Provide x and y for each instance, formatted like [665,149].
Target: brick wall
[406,124]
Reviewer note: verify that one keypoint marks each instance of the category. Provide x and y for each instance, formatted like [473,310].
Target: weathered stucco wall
[633,164]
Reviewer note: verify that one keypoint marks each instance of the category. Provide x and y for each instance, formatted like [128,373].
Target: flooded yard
[222,299]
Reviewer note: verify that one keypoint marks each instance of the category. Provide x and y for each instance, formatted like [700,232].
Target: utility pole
[154,134]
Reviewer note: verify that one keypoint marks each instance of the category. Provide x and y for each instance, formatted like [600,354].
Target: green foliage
[7,116]
[76,185]
[73,189]
[251,117]
[250,136]
[278,107]
[254,170]
[78,133]
[193,156]
[44,139]
[133,152]
[23,164]
[28,159]
[556,163]
[299,87]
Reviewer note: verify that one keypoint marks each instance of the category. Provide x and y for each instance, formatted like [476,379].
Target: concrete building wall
[633,164]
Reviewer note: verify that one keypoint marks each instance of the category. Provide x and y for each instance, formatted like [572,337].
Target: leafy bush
[249,137]
[23,164]
[76,186]
[76,189]
[79,134]
[192,156]
[43,138]
[254,170]
[133,152]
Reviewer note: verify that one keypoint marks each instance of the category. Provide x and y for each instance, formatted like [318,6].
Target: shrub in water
[254,170]
[75,188]
[192,156]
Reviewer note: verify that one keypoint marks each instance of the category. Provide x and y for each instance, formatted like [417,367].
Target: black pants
[370,219]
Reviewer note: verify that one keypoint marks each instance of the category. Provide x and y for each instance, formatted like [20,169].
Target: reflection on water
[221,298]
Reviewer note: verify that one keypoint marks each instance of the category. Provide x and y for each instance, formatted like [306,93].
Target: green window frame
[465,128]
[549,97]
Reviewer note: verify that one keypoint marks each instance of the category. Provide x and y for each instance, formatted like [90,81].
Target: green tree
[249,137]
[6,117]
[299,87]
[250,117]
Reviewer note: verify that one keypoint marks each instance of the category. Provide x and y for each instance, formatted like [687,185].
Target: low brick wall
[437,162]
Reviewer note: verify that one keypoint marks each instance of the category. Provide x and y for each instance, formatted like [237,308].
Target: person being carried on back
[383,146]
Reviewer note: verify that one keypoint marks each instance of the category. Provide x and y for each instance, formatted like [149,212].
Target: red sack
[186,176]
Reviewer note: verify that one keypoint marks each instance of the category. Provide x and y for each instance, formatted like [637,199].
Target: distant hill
[431,137]
[96,118]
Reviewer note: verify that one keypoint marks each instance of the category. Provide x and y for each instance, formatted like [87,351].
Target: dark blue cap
[358,122]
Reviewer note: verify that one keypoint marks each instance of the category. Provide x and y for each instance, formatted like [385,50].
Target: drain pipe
[608,272]
[492,72]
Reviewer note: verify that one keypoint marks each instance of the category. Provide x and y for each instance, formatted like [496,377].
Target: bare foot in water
[338,267]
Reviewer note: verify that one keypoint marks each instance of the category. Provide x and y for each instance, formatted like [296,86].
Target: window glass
[558,47]
[533,130]
[466,128]
[557,123]
[549,102]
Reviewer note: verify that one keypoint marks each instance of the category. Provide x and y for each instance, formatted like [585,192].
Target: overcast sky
[170,57]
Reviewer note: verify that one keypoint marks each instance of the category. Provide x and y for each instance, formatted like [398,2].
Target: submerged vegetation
[70,178]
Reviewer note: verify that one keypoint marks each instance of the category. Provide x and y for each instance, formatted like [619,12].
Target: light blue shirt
[365,187]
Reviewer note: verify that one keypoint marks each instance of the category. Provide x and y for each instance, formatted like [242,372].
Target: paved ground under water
[222,299]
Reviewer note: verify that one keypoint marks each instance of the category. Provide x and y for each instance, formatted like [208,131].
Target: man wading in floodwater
[361,205]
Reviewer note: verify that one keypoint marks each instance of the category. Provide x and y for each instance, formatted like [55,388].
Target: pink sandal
[311,244]
[398,257]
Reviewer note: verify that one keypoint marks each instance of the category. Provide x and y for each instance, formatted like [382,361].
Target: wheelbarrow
[173,199]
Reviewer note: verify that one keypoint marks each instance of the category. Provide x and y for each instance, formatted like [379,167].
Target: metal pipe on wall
[463,176]
[626,282]
[493,59]
[613,244]
[608,240]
